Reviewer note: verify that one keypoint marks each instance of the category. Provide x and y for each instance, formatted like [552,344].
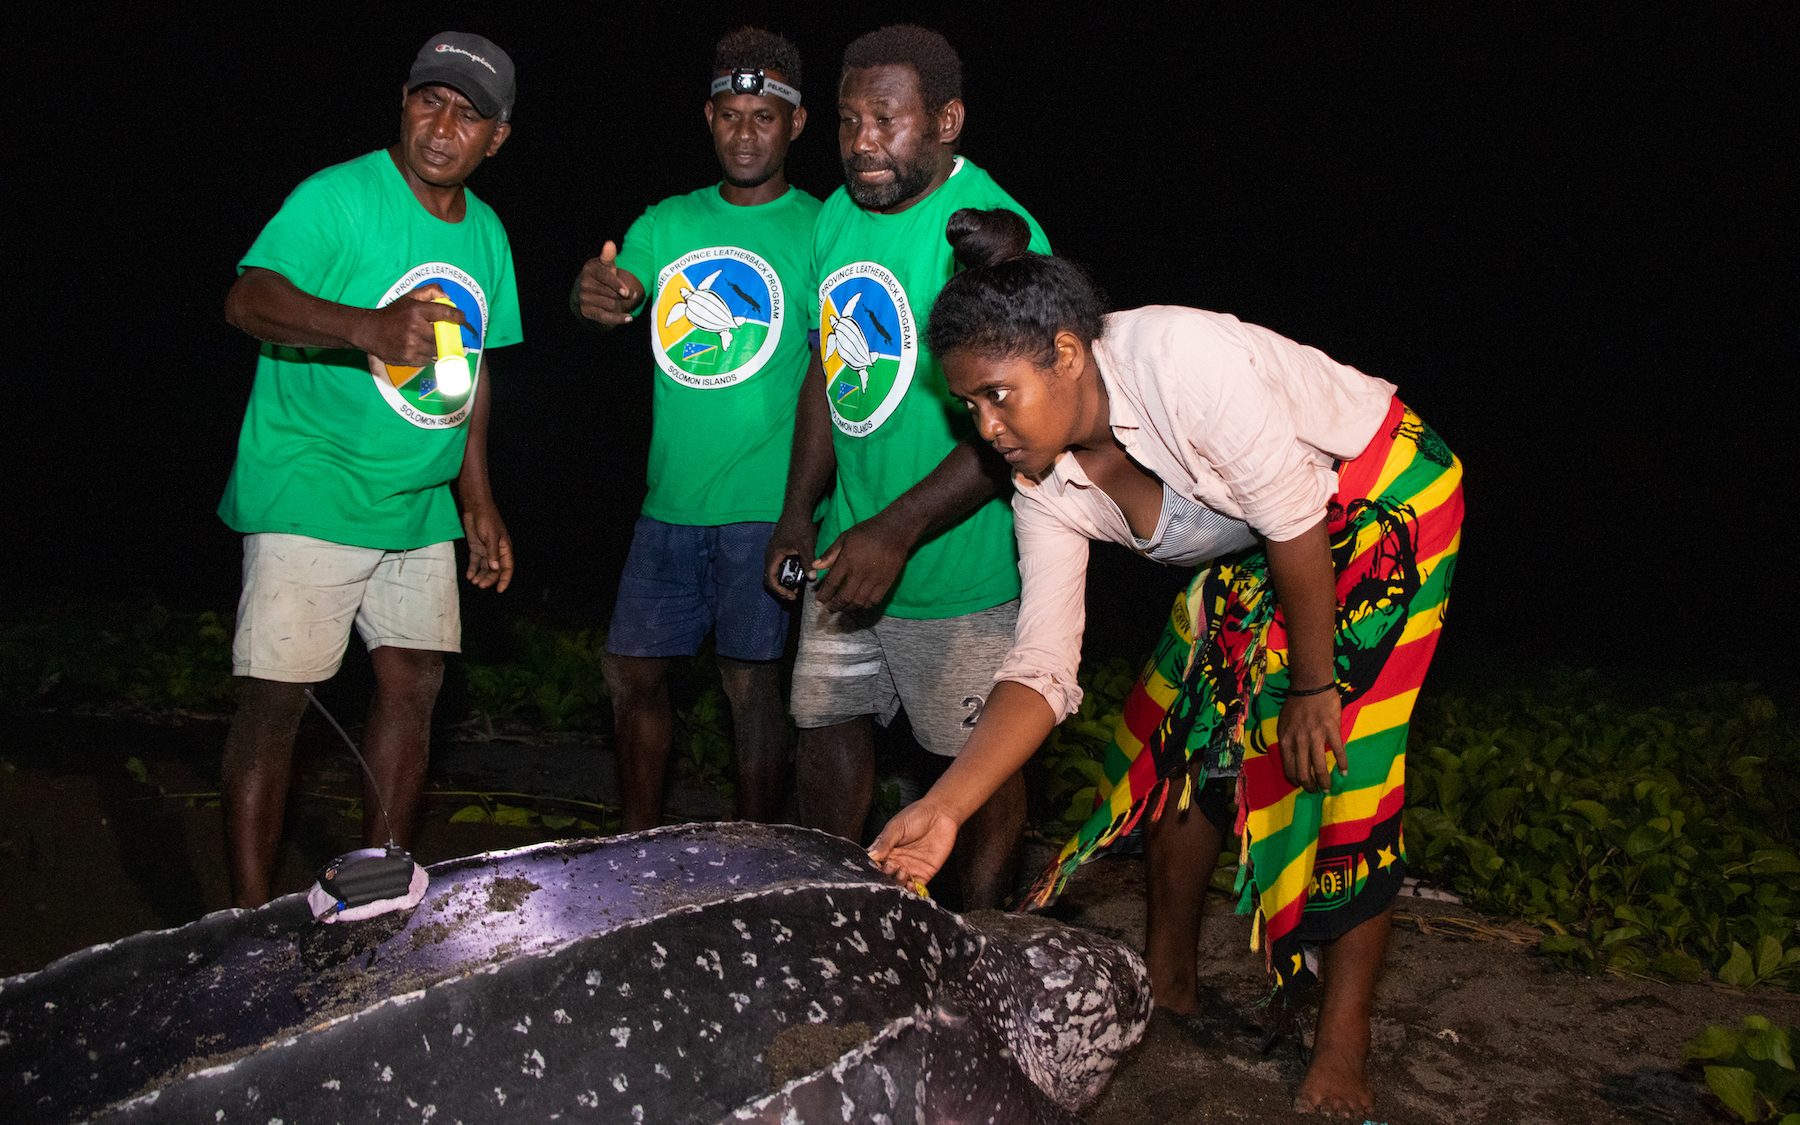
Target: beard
[909,182]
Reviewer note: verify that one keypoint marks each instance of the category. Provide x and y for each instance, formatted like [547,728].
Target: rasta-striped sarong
[1314,865]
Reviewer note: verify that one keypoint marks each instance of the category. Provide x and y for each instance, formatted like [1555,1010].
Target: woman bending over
[1325,517]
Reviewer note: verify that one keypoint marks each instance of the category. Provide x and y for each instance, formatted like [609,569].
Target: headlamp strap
[752,80]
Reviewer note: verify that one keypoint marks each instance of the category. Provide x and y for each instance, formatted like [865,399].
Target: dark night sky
[1568,238]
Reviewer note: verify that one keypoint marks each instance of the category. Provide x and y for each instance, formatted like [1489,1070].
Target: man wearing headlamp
[728,267]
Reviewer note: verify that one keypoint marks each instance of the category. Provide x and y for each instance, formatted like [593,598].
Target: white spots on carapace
[560,1016]
[465,1035]
[499,1095]
[827,967]
[593,978]
[662,1070]
[618,1083]
[709,960]
[749,959]
[815,1014]
[332,1084]
[523,1027]
[532,1063]
[857,942]
[387,1074]
[588,1099]
[621,1035]
[625,989]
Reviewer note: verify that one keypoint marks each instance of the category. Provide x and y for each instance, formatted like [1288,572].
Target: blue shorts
[682,582]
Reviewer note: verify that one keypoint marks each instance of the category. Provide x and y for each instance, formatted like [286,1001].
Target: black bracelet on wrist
[1320,690]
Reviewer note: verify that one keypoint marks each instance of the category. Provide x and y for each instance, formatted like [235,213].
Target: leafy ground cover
[1652,836]
[1750,1069]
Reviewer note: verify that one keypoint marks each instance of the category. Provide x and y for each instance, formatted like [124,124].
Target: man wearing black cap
[353,432]
[722,272]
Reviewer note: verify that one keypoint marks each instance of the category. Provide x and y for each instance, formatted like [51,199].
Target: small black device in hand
[793,572]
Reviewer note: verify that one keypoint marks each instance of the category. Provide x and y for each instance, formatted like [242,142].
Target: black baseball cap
[472,66]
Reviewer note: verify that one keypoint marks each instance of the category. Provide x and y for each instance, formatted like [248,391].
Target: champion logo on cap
[443,47]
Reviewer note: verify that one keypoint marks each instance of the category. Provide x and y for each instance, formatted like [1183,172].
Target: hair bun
[987,238]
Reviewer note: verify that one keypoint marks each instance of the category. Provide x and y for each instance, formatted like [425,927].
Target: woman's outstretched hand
[915,843]
[1311,734]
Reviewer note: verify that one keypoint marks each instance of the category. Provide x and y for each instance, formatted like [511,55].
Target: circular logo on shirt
[413,391]
[870,346]
[718,317]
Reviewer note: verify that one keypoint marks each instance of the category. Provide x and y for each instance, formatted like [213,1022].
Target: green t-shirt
[895,419]
[730,347]
[336,444]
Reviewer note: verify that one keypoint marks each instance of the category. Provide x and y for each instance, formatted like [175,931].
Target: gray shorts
[941,670]
[301,596]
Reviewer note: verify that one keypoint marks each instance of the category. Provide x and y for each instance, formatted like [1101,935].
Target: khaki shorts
[850,665]
[301,595]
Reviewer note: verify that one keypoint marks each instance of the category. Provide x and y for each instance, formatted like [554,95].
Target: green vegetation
[1750,1069]
[1654,838]
[135,656]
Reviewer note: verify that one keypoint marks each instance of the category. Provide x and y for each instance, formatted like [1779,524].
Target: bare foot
[1336,1084]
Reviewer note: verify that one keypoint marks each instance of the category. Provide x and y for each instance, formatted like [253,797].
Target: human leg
[760,735]
[662,611]
[1337,1080]
[298,599]
[409,618]
[643,728]
[750,634]
[943,669]
[834,776]
[397,740]
[987,857]
[259,751]
[841,683]
[1181,850]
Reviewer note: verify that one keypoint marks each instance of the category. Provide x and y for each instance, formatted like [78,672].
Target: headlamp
[752,80]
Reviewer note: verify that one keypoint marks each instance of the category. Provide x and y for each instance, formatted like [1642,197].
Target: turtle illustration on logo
[721,330]
[705,309]
[846,341]
[866,383]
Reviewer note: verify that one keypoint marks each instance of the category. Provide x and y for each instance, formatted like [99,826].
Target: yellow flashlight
[452,367]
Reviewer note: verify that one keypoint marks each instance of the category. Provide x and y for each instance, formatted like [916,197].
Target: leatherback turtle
[698,973]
